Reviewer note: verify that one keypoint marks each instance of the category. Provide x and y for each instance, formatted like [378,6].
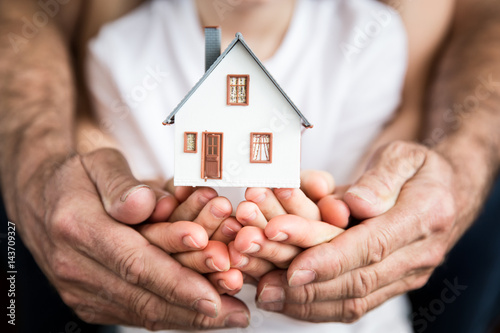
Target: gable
[237,59]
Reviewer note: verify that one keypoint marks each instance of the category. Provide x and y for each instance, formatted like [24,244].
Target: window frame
[195,142]
[270,147]
[247,89]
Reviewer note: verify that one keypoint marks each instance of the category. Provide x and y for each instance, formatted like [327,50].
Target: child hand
[198,239]
[294,224]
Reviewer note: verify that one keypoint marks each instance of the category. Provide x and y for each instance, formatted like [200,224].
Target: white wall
[268,111]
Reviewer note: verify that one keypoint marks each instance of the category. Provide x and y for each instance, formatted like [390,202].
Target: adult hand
[105,270]
[411,188]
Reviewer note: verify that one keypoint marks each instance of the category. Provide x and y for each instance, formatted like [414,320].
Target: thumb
[377,190]
[124,198]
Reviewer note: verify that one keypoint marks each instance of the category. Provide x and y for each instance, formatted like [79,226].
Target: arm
[416,201]
[60,200]
[424,41]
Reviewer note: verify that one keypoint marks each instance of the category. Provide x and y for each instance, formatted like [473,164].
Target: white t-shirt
[342,62]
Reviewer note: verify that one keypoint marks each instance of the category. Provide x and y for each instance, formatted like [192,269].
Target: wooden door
[212,155]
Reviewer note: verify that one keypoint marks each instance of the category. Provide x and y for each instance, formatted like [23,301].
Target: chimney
[212,45]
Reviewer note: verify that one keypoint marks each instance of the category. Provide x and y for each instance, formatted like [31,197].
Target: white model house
[236,127]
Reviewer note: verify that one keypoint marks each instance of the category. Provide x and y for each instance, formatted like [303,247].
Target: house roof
[238,38]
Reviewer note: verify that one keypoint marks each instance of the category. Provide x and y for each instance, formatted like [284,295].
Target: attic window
[237,89]
[261,147]
[190,145]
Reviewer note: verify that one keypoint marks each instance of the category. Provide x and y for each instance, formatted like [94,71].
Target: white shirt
[342,62]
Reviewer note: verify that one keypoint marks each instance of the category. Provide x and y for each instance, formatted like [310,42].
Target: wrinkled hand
[105,270]
[406,200]
[294,224]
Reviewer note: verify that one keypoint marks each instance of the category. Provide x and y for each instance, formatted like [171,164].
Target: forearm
[36,100]
[463,119]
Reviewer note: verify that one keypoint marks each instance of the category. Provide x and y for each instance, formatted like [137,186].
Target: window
[261,147]
[237,89]
[190,144]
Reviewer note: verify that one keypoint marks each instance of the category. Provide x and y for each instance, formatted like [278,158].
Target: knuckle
[353,309]
[70,299]
[304,312]
[363,283]
[309,295]
[131,266]
[379,246]
[63,268]
[420,281]
[149,308]
[434,256]
[201,322]
[62,225]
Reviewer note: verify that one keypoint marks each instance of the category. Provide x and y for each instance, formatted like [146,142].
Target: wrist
[473,164]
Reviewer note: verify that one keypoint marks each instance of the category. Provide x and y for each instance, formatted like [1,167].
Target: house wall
[268,111]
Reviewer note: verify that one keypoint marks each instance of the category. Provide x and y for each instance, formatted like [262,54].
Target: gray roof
[239,38]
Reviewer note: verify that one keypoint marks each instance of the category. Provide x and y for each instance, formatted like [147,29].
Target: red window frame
[229,85]
[195,142]
[254,146]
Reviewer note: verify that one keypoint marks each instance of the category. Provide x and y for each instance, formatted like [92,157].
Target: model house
[236,127]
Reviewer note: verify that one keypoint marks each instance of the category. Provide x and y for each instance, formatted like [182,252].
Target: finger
[175,237]
[124,251]
[378,188]
[229,282]
[123,197]
[294,201]
[334,211]
[213,258]
[345,310]
[251,266]
[357,283]
[192,206]
[213,214]
[227,231]
[265,199]
[165,202]
[252,241]
[181,193]
[107,298]
[248,213]
[295,230]
[316,184]
[366,243]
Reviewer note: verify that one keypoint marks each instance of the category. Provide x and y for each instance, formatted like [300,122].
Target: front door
[212,156]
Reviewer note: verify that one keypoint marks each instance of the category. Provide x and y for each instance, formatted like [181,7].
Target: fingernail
[217,213]
[301,277]
[281,236]
[211,264]
[223,285]
[284,194]
[132,191]
[271,294]
[259,198]
[228,232]
[250,217]
[206,307]
[254,247]
[205,197]
[190,242]
[237,319]
[364,194]
[275,307]
[243,262]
